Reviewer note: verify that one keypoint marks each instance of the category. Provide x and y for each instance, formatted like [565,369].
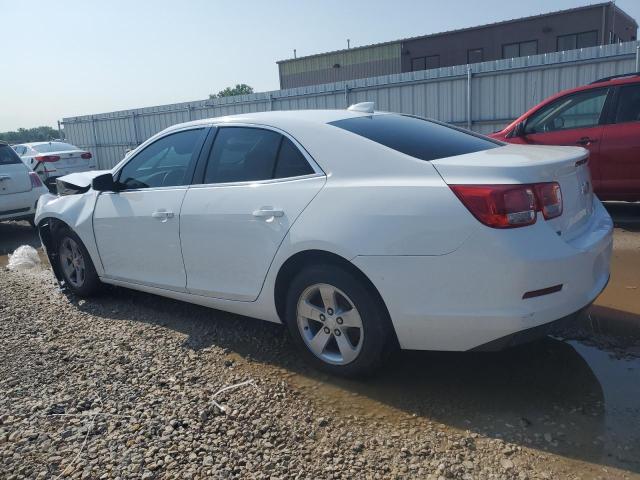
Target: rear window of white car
[54,147]
[418,137]
[8,156]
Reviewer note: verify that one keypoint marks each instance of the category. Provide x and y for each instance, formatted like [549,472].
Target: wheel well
[300,260]
[48,228]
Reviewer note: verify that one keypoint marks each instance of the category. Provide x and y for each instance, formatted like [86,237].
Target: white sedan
[20,188]
[51,160]
[361,231]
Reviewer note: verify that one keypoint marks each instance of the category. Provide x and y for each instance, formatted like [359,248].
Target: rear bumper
[474,296]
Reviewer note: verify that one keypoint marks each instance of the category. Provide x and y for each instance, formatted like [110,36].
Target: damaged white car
[360,230]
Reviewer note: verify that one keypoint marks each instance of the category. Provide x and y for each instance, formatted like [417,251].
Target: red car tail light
[499,206]
[86,155]
[510,206]
[35,180]
[47,158]
[549,198]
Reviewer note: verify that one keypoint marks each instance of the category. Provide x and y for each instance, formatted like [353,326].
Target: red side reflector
[35,180]
[86,155]
[47,158]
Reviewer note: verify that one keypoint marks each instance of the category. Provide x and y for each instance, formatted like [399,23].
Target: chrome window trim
[257,182]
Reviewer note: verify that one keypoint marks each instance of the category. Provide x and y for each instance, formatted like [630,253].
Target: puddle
[564,397]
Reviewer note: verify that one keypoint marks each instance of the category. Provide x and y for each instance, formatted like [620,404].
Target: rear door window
[628,109]
[8,156]
[248,154]
[291,162]
[417,137]
[242,154]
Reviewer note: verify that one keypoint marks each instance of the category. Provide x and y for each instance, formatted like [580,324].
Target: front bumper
[474,295]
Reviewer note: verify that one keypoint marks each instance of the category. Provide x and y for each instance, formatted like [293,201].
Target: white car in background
[359,230]
[20,188]
[51,160]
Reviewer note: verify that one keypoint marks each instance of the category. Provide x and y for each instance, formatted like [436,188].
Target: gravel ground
[129,385]
[101,389]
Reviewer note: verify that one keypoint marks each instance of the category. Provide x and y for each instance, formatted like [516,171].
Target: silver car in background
[51,160]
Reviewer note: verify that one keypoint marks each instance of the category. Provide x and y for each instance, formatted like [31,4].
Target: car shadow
[550,395]
[625,215]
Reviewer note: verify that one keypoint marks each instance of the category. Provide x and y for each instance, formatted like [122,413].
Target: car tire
[75,264]
[330,305]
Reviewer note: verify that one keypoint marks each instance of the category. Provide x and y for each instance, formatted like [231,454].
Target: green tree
[25,135]
[239,89]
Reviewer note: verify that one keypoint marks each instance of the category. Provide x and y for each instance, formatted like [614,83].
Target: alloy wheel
[72,261]
[330,324]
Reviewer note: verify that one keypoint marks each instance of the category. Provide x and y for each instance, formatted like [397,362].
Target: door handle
[268,212]
[586,141]
[4,177]
[162,215]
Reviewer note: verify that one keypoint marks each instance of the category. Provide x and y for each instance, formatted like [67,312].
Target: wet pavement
[577,397]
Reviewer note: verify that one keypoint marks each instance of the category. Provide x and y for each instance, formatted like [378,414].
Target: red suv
[603,117]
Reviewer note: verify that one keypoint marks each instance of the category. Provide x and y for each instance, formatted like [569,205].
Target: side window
[581,110]
[20,149]
[164,163]
[291,162]
[8,156]
[628,109]
[242,154]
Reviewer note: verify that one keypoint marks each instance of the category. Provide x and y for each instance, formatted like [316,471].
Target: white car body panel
[146,222]
[219,221]
[448,281]
[17,197]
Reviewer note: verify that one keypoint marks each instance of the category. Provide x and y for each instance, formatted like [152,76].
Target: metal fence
[483,97]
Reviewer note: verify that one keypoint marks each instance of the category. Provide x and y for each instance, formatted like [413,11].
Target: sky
[75,57]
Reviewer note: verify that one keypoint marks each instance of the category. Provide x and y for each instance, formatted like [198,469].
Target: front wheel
[77,269]
[337,321]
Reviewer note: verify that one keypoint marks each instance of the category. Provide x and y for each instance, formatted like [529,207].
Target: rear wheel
[337,321]
[75,264]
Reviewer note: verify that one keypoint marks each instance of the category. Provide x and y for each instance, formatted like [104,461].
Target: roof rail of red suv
[614,77]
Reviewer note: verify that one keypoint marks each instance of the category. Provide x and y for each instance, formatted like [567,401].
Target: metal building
[576,28]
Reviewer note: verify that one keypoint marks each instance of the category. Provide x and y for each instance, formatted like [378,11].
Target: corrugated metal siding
[344,58]
[501,90]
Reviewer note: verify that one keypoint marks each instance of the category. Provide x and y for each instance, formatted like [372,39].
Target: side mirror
[518,131]
[104,183]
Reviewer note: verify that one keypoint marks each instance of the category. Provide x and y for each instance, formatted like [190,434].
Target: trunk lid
[70,161]
[518,164]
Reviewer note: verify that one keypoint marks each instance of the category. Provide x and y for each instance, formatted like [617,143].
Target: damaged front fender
[74,212]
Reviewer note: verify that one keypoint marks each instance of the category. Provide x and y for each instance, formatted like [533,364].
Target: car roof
[605,82]
[279,118]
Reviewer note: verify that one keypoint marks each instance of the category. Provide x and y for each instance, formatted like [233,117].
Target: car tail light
[47,158]
[86,155]
[510,206]
[549,199]
[35,180]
